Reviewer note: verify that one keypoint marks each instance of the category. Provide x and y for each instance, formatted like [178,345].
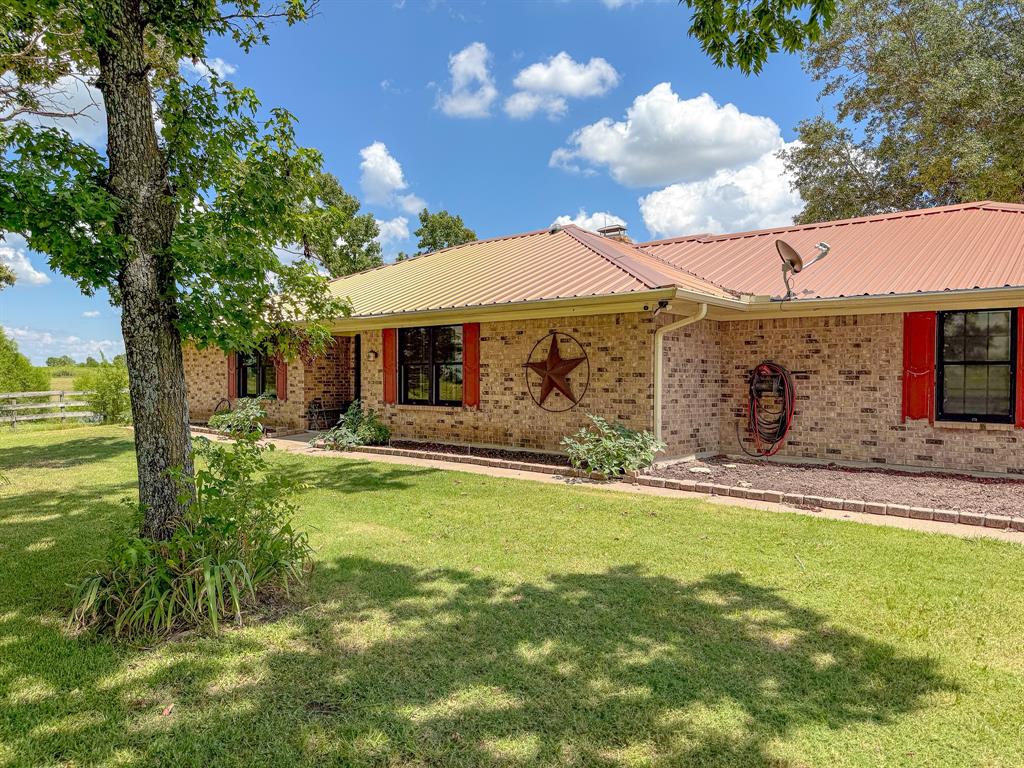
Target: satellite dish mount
[792,262]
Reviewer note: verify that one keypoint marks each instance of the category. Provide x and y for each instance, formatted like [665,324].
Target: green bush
[17,374]
[357,427]
[611,449]
[244,420]
[235,546]
[107,384]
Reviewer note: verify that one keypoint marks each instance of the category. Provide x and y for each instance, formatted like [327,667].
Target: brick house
[906,344]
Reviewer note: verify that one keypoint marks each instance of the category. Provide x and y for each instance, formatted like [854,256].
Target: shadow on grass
[396,666]
[352,475]
[66,453]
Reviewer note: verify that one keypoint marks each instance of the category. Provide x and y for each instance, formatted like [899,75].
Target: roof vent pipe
[554,228]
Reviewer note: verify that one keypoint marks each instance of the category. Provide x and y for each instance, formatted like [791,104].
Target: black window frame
[940,368]
[263,363]
[434,367]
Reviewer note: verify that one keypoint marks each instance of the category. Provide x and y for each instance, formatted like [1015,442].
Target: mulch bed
[961,493]
[487,453]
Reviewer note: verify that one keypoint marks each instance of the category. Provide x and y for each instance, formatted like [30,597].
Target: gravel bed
[938,490]
[487,453]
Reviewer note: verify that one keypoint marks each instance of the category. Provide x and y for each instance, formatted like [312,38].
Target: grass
[455,619]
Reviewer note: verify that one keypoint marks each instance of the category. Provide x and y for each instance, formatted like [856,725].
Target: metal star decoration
[555,371]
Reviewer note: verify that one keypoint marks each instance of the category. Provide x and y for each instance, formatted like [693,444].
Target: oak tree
[178,214]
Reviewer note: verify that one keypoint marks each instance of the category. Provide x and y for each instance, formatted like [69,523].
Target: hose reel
[771,402]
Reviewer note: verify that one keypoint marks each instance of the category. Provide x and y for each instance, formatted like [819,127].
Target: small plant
[611,448]
[243,421]
[108,396]
[357,427]
[235,545]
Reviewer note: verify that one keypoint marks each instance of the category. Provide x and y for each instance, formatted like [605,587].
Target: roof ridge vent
[554,228]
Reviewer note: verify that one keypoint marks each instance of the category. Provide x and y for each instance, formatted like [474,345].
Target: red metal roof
[565,263]
[955,247]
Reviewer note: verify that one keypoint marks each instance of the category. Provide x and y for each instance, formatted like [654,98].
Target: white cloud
[592,221]
[411,203]
[664,139]
[382,175]
[544,86]
[392,230]
[13,255]
[524,105]
[204,68]
[382,179]
[472,90]
[40,344]
[756,196]
[91,313]
[563,76]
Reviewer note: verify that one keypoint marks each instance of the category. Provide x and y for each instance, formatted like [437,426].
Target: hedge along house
[906,345]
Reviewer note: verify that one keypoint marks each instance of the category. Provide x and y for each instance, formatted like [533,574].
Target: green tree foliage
[17,374]
[441,230]
[930,110]
[6,277]
[742,34]
[334,233]
[107,384]
[64,361]
[180,216]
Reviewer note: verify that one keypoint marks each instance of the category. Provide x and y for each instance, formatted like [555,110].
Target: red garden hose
[768,426]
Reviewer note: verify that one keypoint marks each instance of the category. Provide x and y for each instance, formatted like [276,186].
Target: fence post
[60,404]
[14,413]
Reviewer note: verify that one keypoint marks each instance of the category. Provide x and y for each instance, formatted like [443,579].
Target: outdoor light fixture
[371,355]
[793,262]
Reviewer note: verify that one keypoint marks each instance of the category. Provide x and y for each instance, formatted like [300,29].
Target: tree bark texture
[138,178]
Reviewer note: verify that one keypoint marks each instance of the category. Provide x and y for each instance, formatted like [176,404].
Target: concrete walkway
[299,444]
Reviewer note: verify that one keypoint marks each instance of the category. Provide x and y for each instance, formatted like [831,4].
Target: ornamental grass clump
[235,547]
[611,448]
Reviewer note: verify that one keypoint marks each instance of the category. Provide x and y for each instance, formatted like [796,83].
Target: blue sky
[509,114]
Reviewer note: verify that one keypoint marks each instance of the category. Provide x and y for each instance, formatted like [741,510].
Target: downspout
[659,337]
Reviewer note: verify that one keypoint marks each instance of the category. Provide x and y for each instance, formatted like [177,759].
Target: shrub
[108,392]
[17,374]
[235,545]
[243,421]
[357,427]
[611,449]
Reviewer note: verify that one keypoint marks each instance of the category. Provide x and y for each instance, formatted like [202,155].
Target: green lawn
[460,620]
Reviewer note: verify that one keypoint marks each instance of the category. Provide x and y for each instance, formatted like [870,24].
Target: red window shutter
[232,375]
[471,365]
[389,357]
[1019,420]
[919,365]
[281,375]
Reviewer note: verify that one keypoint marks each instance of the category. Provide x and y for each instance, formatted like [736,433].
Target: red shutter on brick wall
[471,365]
[919,365]
[1020,369]
[232,375]
[389,358]
[281,375]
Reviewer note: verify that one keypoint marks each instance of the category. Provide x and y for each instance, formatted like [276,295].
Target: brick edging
[714,489]
[844,505]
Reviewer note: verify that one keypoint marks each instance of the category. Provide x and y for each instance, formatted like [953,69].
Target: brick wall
[691,388]
[848,373]
[329,376]
[619,352]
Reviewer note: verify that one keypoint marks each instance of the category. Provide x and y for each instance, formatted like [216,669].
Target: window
[430,365]
[977,360]
[257,375]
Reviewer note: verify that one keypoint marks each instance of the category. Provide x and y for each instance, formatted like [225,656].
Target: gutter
[659,339]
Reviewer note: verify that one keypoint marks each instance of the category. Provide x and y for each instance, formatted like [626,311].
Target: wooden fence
[16,407]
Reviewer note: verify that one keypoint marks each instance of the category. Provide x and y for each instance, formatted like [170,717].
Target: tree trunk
[138,178]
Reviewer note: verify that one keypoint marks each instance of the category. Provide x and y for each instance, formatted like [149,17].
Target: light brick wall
[618,347]
[691,388]
[848,378]
[329,376]
[206,378]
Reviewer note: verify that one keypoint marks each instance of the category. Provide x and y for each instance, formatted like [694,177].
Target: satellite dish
[791,261]
[794,262]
